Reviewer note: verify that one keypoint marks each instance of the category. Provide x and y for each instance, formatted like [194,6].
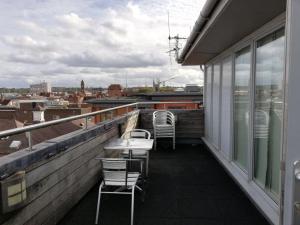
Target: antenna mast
[176,38]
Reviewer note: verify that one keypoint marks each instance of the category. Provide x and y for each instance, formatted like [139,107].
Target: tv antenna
[176,38]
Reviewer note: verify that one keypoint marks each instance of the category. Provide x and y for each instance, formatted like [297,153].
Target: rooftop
[186,186]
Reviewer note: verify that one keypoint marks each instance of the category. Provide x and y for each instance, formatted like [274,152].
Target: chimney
[38,114]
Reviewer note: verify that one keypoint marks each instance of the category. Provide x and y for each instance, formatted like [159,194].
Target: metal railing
[28,129]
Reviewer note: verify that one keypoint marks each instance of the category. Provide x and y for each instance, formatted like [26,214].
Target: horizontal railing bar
[20,130]
[162,103]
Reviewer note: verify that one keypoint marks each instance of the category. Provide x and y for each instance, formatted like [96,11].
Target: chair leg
[147,164]
[132,205]
[173,142]
[98,203]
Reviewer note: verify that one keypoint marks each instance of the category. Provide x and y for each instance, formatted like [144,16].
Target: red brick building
[115,90]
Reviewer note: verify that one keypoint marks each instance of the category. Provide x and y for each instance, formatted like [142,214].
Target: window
[242,106]
[216,105]
[268,110]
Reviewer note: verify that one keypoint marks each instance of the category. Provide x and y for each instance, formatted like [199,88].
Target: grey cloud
[89,59]
[113,27]
[27,59]
[27,42]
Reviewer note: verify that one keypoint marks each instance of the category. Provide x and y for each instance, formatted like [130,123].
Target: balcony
[186,186]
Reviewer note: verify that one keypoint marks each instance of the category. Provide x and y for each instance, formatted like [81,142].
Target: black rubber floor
[186,187]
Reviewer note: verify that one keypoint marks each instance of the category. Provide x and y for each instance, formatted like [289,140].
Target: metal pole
[28,135]
[86,122]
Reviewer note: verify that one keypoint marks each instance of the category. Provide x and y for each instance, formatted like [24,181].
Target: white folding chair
[163,126]
[138,133]
[115,174]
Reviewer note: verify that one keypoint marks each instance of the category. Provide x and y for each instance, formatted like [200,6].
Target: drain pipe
[202,19]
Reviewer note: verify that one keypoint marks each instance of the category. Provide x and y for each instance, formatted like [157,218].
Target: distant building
[115,90]
[193,88]
[33,110]
[43,87]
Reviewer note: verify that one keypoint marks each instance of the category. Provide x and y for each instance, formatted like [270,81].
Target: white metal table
[131,144]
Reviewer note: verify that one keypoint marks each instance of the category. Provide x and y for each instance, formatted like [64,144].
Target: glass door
[268,111]
[241,104]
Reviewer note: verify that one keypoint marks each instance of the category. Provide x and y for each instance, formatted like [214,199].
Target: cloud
[95,40]
[72,20]
[31,26]
[27,58]
[27,42]
[90,59]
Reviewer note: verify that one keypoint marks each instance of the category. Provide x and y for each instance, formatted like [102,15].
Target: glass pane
[241,106]
[268,110]
[216,105]
[226,106]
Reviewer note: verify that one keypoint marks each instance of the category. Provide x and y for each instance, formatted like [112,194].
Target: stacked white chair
[138,133]
[163,126]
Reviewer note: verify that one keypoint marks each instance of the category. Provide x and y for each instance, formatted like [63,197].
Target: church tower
[82,87]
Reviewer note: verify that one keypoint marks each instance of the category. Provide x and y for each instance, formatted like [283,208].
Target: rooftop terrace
[186,186]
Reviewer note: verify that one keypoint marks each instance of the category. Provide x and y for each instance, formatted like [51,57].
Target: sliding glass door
[241,106]
[268,110]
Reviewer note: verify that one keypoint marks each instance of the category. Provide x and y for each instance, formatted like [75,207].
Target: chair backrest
[137,133]
[161,117]
[114,170]
[261,124]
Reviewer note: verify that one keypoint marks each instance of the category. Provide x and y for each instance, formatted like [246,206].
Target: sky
[99,41]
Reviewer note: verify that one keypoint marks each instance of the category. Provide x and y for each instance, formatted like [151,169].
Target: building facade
[250,53]
[43,87]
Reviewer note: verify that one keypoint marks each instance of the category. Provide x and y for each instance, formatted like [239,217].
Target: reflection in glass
[268,110]
[241,106]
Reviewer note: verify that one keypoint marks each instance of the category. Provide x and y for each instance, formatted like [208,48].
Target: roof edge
[206,11]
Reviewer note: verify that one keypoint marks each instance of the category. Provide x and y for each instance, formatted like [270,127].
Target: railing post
[28,135]
[127,110]
[111,115]
[86,123]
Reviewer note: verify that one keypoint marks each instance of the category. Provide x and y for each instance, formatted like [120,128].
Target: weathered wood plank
[32,209]
[52,182]
[55,210]
[53,164]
